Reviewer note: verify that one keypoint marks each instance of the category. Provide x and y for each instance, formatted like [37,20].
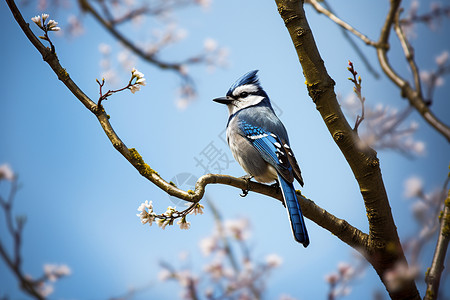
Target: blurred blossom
[210,45]
[75,27]
[420,210]
[399,275]
[204,3]
[126,60]
[45,289]
[164,274]
[442,59]
[413,187]
[186,95]
[384,127]
[208,245]
[345,269]
[286,297]
[273,260]
[184,70]
[239,229]
[331,278]
[104,49]
[54,271]
[185,278]
[215,269]
[6,172]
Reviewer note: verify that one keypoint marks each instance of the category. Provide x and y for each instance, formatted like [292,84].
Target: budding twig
[357,90]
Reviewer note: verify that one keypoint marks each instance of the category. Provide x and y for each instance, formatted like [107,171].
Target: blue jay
[260,144]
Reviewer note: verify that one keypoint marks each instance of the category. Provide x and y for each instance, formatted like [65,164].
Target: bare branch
[354,45]
[412,95]
[319,8]
[409,53]
[433,275]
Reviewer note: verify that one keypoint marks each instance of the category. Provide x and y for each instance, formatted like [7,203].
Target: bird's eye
[243,95]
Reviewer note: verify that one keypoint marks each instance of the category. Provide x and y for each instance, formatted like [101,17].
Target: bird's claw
[247,178]
[244,193]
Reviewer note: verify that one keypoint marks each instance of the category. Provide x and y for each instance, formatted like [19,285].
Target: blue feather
[248,78]
[294,212]
[269,147]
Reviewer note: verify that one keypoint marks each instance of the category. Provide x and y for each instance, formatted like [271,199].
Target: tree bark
[383,249]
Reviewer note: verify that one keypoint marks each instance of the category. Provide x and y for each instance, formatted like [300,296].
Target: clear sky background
[80,195]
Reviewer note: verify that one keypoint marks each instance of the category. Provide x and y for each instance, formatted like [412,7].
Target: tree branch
[343,230]
[409,53]
[433,276]
[414,98]
[320,9]
[383,246]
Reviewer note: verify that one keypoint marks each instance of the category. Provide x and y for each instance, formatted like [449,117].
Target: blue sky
[80,196]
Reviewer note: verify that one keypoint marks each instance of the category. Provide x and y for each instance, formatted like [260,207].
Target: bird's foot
[247,178]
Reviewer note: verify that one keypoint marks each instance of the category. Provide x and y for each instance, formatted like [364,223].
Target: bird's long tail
[294,212]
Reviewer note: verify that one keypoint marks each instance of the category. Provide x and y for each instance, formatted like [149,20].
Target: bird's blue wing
[276,151]
[269,146]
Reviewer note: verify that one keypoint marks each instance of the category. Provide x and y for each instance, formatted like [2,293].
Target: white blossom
[163,223]
[136,74]
[134,88]
[140,81]
[198,209]
[184,224]
[6,172]
[51,25]
[37,21]
[146,212]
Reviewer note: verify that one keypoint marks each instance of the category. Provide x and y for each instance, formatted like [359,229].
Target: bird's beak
[223,100]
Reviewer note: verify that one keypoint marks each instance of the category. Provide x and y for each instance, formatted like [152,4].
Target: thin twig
[409,53]
[357,89]
[319,8]
[354,45]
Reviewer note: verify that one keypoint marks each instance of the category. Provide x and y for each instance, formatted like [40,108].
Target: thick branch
[347,233]
[433,276]
[383,245]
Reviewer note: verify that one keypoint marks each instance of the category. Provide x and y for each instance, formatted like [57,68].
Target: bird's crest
[248,78]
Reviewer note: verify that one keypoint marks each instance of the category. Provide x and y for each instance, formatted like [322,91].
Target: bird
[259,142]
